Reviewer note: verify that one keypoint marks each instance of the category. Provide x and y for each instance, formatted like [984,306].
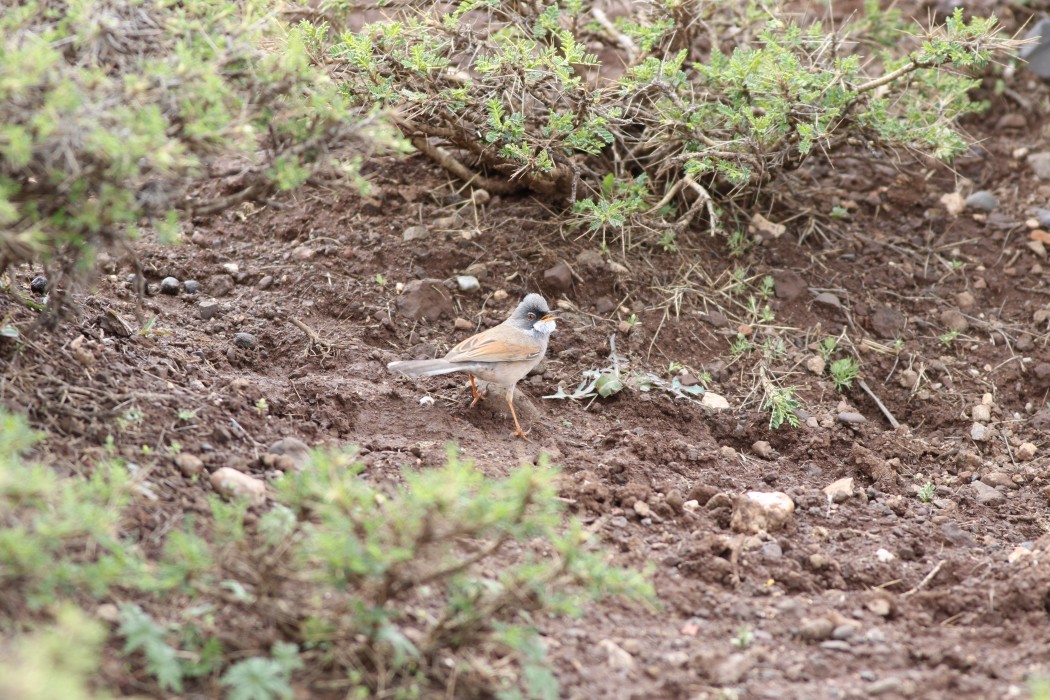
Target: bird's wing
[487,346]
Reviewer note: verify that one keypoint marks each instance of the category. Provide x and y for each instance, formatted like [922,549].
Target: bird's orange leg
[510,404]
[474,390]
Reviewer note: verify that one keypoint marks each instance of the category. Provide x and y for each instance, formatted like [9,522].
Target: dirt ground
[894,592]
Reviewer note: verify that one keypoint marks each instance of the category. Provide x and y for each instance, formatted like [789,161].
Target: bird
[502,355]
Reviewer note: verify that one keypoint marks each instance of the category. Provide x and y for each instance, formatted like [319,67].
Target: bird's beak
[551,315]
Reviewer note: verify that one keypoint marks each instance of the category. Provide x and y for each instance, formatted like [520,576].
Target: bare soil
[883,594]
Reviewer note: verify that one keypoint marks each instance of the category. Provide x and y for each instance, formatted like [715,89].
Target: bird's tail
[429,368]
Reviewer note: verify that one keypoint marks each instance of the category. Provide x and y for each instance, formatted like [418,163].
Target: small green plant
[380,279]
[262,407]
[744,638]
[186,415]
[738,243]
[781,404]
[926,492]
[767,287]
[838,212]
[261,678]
[843,372]
[827,347]
[948,337]
[740,345]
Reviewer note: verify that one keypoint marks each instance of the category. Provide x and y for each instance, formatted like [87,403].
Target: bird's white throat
[544,327]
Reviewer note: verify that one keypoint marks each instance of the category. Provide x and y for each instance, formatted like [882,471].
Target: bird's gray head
[533,314]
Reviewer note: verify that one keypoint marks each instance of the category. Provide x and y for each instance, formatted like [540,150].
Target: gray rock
[1040,164]
[1043,216]
[265,283]
[982,200]
[415,233]
[169,285]
[816,629]
[191,286]
[1037,54]
[843,632]
[788,285]
[986,495]
[426,298]
[188,464]
[558,279]
[850,417]
[206,310]
[244,340]
[981,413]
[468,283]
[953,319]
[39,285]
[828,299]
[979,432]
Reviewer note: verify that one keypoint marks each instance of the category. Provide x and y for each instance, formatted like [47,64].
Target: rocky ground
[916,561]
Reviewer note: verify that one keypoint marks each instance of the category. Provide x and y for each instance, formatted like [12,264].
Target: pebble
[642,509]
[836,645]
[965,300]
[169,285]
[234,484]
[152,290]
[499,295]
[996,479]
[982,200]
[850,417]
[415,233]
[953,319]
[714,401]
[206,310]
[231,268]
[756,511]
[244,340]
[981,413]
[468,283]
[880,606]
[297,452]
[463,324]
[39,285]
[1040,164]
[839,491]
[191,286]
[265,283]
[979,432]
[881,687]
[789,285]
[828,299]
[772,549]
[815,364]
[188,464]
[986,495]
[1025,452]
[816,629]
[843,632]
[617,658]
[763,449]
[884,555]
[558,279]
[426,298]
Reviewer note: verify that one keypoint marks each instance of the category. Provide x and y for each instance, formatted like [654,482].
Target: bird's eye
[531,316]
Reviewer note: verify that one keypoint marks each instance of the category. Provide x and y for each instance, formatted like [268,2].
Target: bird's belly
[507,374]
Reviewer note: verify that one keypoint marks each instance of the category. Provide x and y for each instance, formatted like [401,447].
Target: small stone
[234,484]
[986,495]
[244,340]
[773,550]
[425,299]
[415,233]
[763,449]
[850,417]
[884,555]
[999,479]
[558,279]
[499,295]
[39,285]
[231,268]
[732,670]
[1018,554]
[727,452]
[1012,120]
[642,509]
[843,632]
[191,286]
[616,656]
[816,629]
[788,285]
[952,319]
[888,322]
[200,239]
[982,200]
[978,432]
[1040,164]
[303,253]
[756,511]
[965,300]
[880,606]
[714,401]
[828,299]
[169,285]
[908,378]
[480,197]
[883,686]
[206,310]
[590,259]
[468,283]
[188,464]
[981,413]
[1025,452]
[815,364]
[839,491]
[293,448]
[463,324]
[265,283]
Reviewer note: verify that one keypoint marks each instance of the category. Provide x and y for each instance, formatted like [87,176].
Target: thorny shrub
[697,107]
[114,112]
[378,591]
